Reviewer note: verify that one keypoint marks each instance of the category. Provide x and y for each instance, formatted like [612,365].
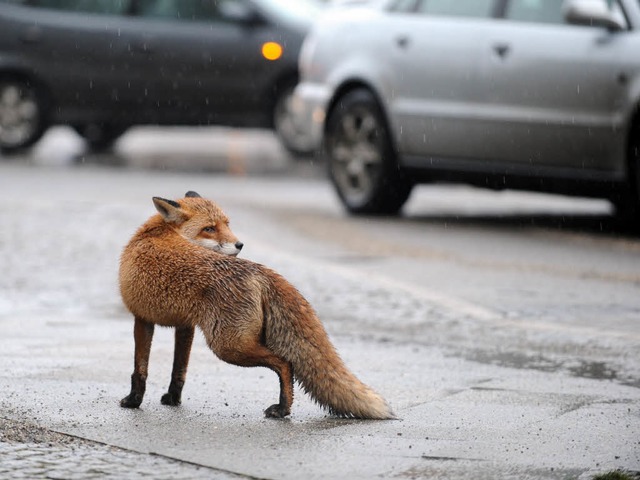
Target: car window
[194,10]
[298,11]
[540,11]
[548,11]
[457,8]
[86,6]
[403,6]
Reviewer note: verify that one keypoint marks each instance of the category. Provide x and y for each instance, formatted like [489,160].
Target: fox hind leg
[257,355]
[285,375]
[183,342]
[143,335]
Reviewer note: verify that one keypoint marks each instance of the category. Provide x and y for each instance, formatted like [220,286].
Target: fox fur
[180,270]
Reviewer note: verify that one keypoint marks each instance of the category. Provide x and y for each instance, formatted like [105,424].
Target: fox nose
[239,245]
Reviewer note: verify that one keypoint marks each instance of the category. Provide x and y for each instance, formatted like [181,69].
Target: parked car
[525,94]
[102,66]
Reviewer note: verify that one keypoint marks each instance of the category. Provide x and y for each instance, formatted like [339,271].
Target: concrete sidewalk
[67,372]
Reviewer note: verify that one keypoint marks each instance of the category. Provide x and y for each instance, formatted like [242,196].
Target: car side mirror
[595,13]
[240,13]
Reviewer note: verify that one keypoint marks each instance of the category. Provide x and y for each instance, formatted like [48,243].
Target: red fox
[174,272]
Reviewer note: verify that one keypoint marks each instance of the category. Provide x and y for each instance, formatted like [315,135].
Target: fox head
[200,221]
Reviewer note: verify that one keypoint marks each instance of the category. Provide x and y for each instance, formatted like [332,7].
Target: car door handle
[142,46]
[403,41]
[32,34]
[501,49]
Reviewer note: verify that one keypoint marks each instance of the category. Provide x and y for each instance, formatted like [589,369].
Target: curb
[189,149]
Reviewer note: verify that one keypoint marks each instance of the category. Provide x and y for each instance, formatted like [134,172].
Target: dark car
[102,66]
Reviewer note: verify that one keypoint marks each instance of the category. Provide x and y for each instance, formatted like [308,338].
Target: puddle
[352,259]
[595,370]
[577,368]
[516,360]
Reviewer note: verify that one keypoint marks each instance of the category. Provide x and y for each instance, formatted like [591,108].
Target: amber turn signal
[271,50]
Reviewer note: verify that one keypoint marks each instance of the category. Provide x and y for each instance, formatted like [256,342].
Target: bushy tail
[299,337]
[323,375]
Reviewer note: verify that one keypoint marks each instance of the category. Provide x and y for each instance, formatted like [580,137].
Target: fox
[181,269]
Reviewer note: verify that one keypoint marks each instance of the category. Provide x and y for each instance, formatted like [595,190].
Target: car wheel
[631,209]
[627,200]
[100,136]
[292,137]
[362,163]
[22,114]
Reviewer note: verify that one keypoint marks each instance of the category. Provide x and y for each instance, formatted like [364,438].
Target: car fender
[633,96]
[351,32]
[364,72]
[631,99]
[15,65]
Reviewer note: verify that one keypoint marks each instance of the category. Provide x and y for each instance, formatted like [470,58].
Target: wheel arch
[25,74]
[17,75]
[283,81]
[354,84]
[393,186]
[633,143]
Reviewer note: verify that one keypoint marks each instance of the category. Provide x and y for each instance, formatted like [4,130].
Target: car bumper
[310,102]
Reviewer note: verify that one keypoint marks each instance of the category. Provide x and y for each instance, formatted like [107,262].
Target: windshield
[292,11]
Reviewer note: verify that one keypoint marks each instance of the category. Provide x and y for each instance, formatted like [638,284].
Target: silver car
[525,94]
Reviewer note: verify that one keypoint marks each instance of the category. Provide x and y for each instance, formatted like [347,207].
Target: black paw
[170,399]
[131,401]
[276,411]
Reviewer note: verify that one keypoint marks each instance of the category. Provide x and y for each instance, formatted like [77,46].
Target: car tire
[630,210]
[100,136]
[23,113]
[360,156]
[295,139]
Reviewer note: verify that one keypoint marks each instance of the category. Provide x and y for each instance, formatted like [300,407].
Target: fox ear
[171,211]
[192,194]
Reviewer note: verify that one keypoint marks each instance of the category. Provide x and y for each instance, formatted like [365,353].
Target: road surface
[501,327]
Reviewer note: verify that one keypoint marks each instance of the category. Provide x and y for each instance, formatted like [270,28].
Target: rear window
[109,7]
[549,11]
[450,8]
[457,8]
[539,11]
[181,9]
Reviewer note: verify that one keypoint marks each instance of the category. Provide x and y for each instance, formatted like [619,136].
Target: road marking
[455,305]
[451,303]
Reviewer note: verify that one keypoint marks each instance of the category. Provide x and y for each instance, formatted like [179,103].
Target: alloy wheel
[356,154]
[20,115]
[363,165]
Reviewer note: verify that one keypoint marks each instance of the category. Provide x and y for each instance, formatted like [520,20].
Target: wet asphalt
[483,389]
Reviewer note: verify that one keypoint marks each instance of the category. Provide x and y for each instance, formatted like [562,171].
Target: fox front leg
[183,342]
[143,335]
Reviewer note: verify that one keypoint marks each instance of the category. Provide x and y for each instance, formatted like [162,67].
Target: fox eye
[209,229]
